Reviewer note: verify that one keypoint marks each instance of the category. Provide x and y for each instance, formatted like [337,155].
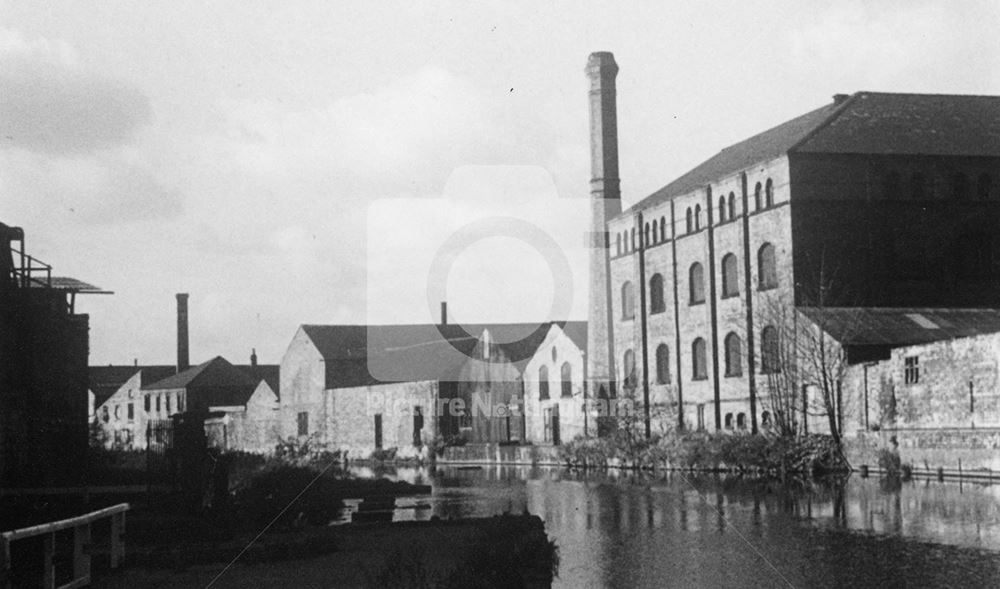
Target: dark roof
[866,123]
[271,373]
[359,355]
[211,384]
[896,327]
[911,124]
[66,283]
[105,380]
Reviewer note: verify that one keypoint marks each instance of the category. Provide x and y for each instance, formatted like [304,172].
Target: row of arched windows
[654,232]
[662,366]
[918,187]
[566,381]
[767,277]
[769,354]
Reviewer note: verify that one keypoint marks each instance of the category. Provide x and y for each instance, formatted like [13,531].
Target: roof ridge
[838,109]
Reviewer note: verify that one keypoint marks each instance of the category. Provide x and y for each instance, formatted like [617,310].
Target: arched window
[734,353]
[690,221]
[890,185]
[656,304]
[696,283]
[732,206]
[628,368]
[618,247]
[567,379]
[632,240]
[645,236]
[769,193]
[983,186]
[628,301]
[663,228]
[918,186]
[722,209]
[959,186]
[662,364]
[730,281]
[543,382]
[767,274]
[697,217]
[729,421]
[699,367]
[769,361]
[741,421]
[756,197]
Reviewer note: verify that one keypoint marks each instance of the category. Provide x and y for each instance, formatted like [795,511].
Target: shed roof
[896,327]
[105,380]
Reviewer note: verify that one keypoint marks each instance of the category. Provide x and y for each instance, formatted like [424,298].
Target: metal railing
[82,548]
[29,266]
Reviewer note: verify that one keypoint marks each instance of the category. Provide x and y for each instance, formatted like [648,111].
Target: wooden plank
[5,579]
[81,553]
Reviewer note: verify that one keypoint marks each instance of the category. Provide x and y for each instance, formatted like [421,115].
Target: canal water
[681,530]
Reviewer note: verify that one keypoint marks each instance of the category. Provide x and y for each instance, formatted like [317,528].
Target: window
[567,380]
[131,411]
[983,186]
[697,217]
[168,404]
[628,301]
[890,186]
[734,353]
[118,412]
[918,186]
[628,365]
[303,423]
[696,283]
[632,240]
[663,228]
[690,221]
[157,403]
[106,414]
[543,383]
[959,186]
[769,193]
[769,350]
[555,354]
[378,431]
[732,206]
[722,209]
[911,370]
[756,197]
[741,421]
[180,402]
[618,244]
[698,363]
[418,426]
[662,364]
[767,274]
[730,280]
[656,304]
[646,236]
[146,403]
[729,421]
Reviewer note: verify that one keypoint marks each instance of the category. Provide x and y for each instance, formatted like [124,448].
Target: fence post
[4,563]
[49,570]
[117,544]
[81,552]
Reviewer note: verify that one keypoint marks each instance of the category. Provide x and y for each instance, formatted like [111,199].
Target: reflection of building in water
[875,206]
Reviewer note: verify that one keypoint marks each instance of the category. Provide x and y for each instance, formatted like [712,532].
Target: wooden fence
[82,547]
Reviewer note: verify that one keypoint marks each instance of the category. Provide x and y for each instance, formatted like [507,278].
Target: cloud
[50,104]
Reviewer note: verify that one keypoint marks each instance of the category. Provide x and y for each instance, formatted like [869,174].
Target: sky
[301,162]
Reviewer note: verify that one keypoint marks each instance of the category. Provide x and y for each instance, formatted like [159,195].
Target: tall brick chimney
[605,203]
[183,359]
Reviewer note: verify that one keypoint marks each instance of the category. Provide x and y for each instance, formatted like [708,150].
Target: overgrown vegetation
[700,450]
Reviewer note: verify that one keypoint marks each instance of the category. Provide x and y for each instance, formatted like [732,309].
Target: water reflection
[677,529]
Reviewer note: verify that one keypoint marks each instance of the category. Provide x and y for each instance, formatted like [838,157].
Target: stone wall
[555,350]
[303,380]
[352,416]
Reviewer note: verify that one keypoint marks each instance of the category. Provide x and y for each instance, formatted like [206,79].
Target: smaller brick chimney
[183,358]
[444,312]
[253,357]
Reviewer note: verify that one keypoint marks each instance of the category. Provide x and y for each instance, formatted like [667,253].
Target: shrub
[889,461]
[383,454]
[277,487]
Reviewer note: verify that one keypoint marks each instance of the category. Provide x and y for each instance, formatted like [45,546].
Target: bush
[383,454]
[889,461]
[277,487]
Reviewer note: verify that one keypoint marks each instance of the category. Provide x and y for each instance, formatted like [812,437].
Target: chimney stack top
[840,98]
[444,312]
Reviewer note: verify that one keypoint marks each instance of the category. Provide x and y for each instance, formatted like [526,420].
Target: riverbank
[478,552]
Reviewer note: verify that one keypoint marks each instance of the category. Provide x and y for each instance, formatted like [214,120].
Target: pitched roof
[270,373]
[105,380]
[211,384]
[865,123]
[359,355]
[897,327]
